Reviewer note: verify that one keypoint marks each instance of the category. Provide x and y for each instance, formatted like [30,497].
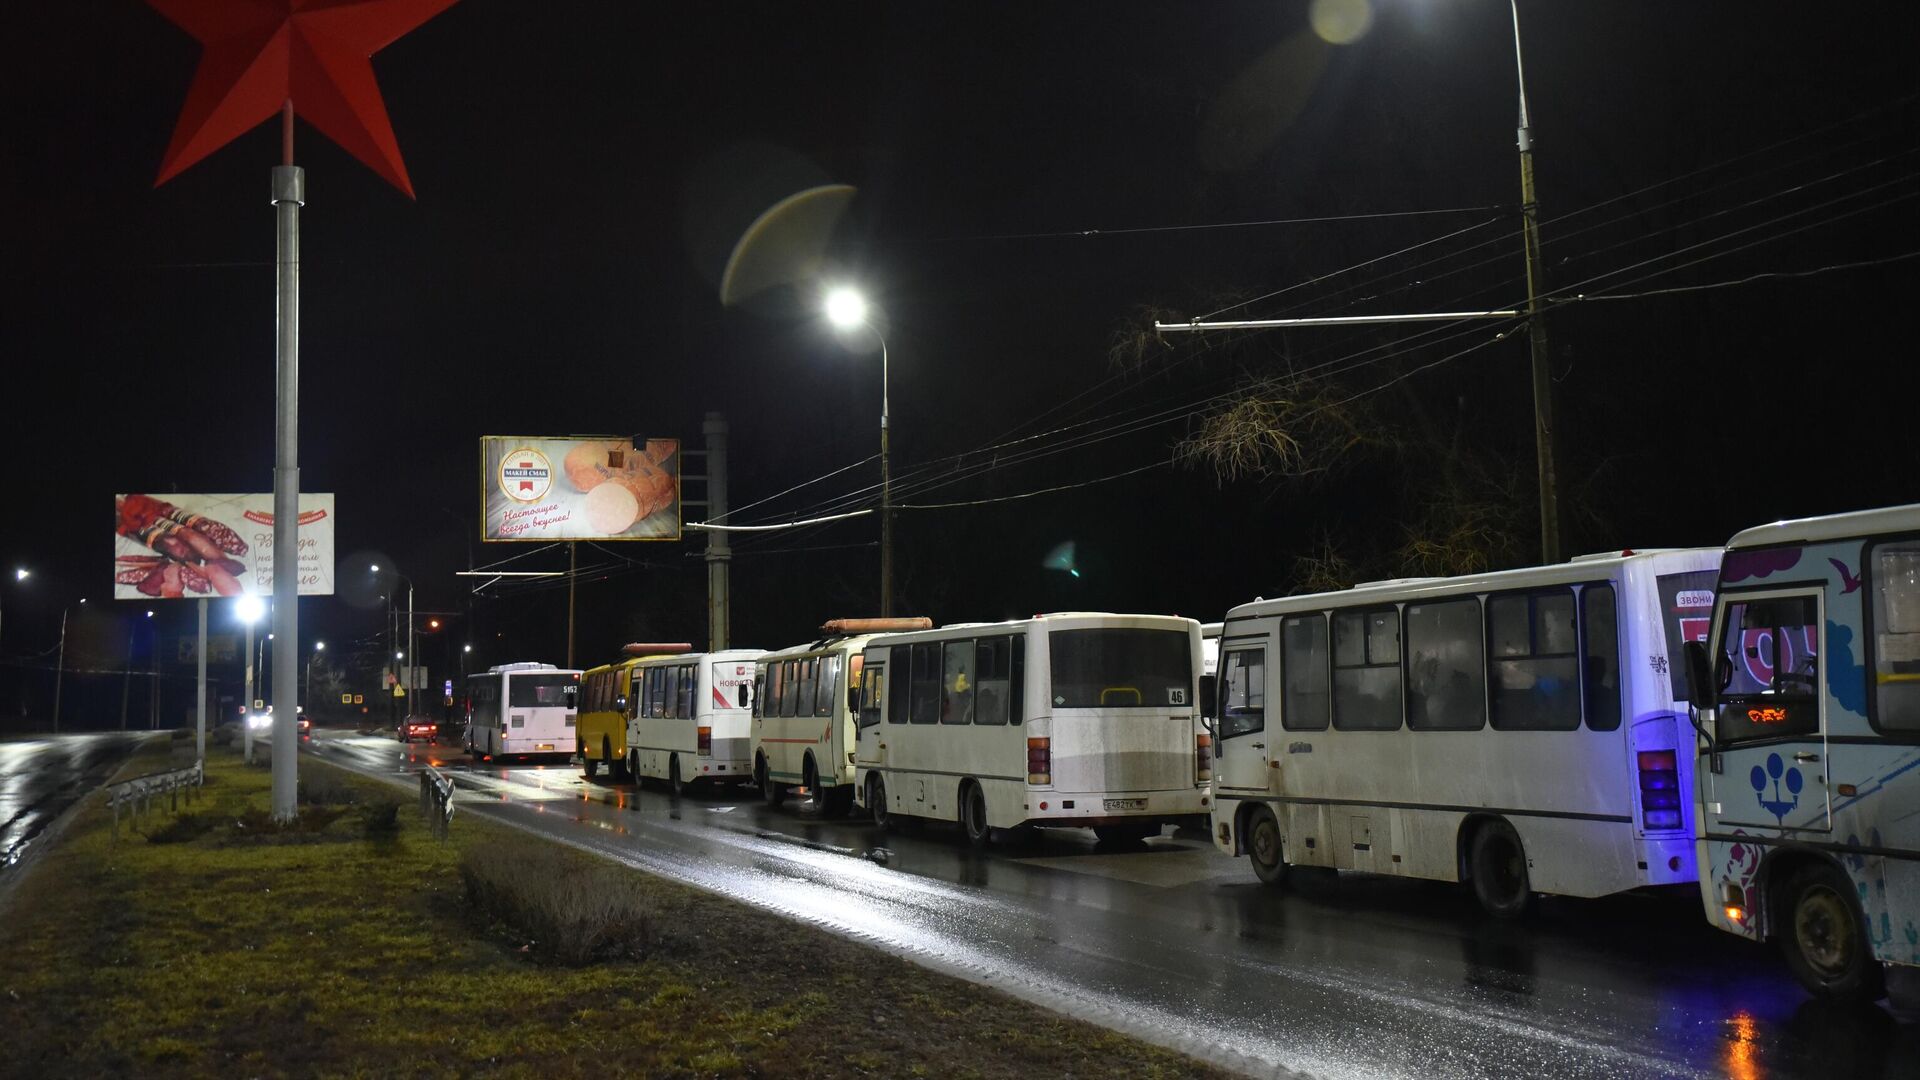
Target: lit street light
[306,692]
[405,676]
[249,609]
[847,310]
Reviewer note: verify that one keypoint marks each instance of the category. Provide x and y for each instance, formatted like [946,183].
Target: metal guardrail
[436,800]
[139,793]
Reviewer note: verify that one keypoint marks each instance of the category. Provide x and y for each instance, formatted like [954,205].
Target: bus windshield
[1107,668]
[527,691]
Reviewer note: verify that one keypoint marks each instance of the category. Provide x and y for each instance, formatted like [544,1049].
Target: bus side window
[990,671]
[759,688]
[956,683]
[1017,681]
[1306,697]
[1366,670]
[900,664]
[1601,648]
[1446,666]
[873,688]
[926,684]
[1896,638]
[689,682]
[1533,663]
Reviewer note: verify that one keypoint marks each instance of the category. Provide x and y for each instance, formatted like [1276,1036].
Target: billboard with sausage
[181,546]
[579,488]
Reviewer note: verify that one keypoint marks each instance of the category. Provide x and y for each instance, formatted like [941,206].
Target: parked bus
[605,696]
[1809,724]
[1521,730]
[803,717]
[518,710]
[1079,719]
[690,718]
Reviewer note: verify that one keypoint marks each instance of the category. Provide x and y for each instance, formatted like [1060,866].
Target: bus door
[1241,743]
[871,751]
[1770,737]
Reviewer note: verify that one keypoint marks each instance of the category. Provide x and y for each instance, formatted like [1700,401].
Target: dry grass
[238,950]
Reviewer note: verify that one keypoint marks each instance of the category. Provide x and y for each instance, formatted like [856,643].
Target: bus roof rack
[656,648]
[847,627]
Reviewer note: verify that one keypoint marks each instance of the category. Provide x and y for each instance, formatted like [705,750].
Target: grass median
[211,941]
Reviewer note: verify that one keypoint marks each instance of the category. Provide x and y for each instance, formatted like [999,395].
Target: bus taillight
[1039,761]
[1659,789]
[706,741]
[1203,756]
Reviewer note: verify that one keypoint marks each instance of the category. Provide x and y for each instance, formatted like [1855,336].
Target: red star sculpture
[260,55]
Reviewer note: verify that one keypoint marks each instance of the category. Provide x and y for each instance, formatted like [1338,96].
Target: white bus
[1078,719]
[1522,730]
[690,718]
[516,710]
[1809,774]
[803,716]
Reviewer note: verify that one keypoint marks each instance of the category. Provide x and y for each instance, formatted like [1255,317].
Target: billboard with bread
[579,488]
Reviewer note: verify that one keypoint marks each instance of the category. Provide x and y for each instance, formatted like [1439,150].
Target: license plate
[544,746]
[1124,804]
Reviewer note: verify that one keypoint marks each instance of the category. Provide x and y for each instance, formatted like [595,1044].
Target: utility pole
[200,713]
[1543,429]
[60,669]
[719,549]
[572,564]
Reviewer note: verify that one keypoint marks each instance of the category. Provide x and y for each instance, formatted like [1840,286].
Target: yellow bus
[606,698]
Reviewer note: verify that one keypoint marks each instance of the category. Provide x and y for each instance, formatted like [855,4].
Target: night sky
[583,171]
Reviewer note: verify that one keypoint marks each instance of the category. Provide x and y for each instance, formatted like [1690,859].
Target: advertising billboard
[534,488]
[183,546]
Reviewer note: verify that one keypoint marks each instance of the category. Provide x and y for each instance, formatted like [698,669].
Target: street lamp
[375,568]
[306,692]
[248,609]
[847,309]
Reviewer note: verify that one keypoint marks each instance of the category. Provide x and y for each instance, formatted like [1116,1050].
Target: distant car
[306,725]
[419,727]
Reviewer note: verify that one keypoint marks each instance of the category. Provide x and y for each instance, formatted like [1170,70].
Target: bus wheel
[589,767]
[1499,867]
[673,775]
[877,801]
[842,802]
[973,815]
[1825,939]
[810,779]
[771,790]
[615,766]
[1264,849]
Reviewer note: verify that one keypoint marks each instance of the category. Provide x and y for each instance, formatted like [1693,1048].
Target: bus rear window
[527,691]
[1109,668]
[1686,609]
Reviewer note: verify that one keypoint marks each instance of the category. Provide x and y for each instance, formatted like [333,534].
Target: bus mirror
[1700,675]
[1206,697]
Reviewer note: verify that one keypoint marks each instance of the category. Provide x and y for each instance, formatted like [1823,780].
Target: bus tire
[877,801]
[589,767]
[616,766]
[674,779]
[973,814]
[842,804]
[810,779]
[771,791]
[1499,868]
[1264,847]
[1825,938]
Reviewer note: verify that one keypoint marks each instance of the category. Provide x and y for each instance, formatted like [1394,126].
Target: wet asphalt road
[1336,976]
[41,776]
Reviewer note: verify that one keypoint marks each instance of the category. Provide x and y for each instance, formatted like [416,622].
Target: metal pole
[289,192]
[572,556]
[200,723]
[1543,429]
[246,703]
[719,548]
[412,665]
[60,669]
[126,681]
[886,493]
